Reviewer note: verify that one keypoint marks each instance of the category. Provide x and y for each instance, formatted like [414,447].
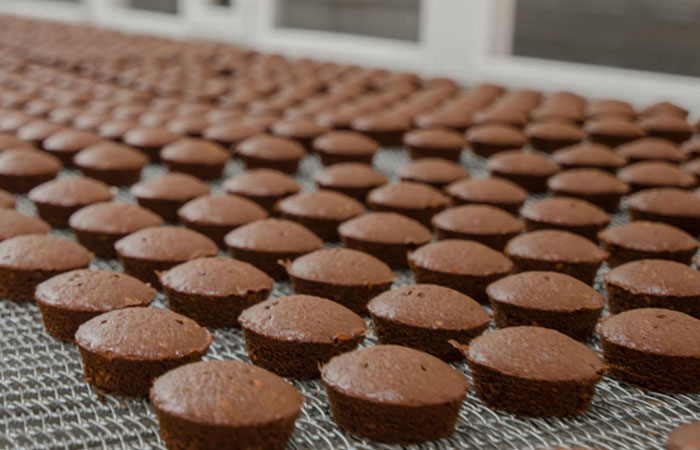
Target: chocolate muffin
[214,291]
[672,206]
[124,350]
[26,261]
[491,191]
[385,235]
[394,394]
[7,200]
[190,126]
[692,147]
[224,404]
[684,437]
[386,128]
[355,180]
[486,224]
[528,170]
[65,144]
[114,164]
[14,223]
[343,146]
[415,200]
[533,371]
[647,240]
[116,129]
[8,141]
[36,131]
[100,225]
[589,156]
[23,169]
[451,118]
[546,299]
[157,249]
[552,135]
[197,157]
[320,211]
[592,185]
[293,336]
[675,129]
[558,251]
[655,349]
[166,194]
[656,174]
[564,213]
[303,131]
[434,143]
[436,172]
[265,151]
[230,134]
[692,167]
[56,200]
[664,109]
[651,149]
[263,186]
[265,243]
[610,107]
[487,140]
[613,131]
[70,299]
[654,283]
[150,140]
[349,277]
[426,317]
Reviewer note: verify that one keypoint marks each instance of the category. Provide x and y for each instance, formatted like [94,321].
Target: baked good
[65,144]
[349,277]
[692,147]
[263,186]
[197,157]
[434,143]
[386,128]
[56,200]
[385,235]
[426,317]
[320,211]
[214,291]
[565,213]
[352,179]
[114,164]
[8,141]
[653,283]
[150,140]
[436,172]
[225,404]
[415,200]
[528,170]
[663,109]
[595,186]
[304,131]
[36,131]
[653,348]
[14,223]
[230,134]
[394,394]
[549,136]
[672,206]
[192,126]
[610,107]
[166,194]
[492,191]
[675,129]
[647,240]
[271,152]
[7,200]
[124,350]
[651,149]
[267,242]
[116,129]
[684,437]
[656,174]
[486,224]
[22,169]
[558,251]
[489,139]
[465,266]
[692,167]
[589,156]
[546,299]
[533,371]
[26,261]
[613,131]
[293,336]
[342,146]
[70,299]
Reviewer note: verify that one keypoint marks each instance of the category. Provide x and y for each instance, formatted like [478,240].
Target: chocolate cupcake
[349,277]
[450,118]
[7,200]
[564,213]
[436,172]
[488,225]
[263,186]
[197,157]
[487,140]
[434,143]
[558,251]
[656,174]
[610,107]
[655,349]
[303,131]
[415,200]
[157,249]
[65,144]
[684,437]
[320,211]
[56,200]
[166,194]
[23,169]
[265,151]
[592,185]
[426,317]
[672,206]
[100,225]
[189,126]
[116,129]
[654,283]
[230,134]
[528,170]
[114,164]
[150,140]
[546,299]
[664,109]
[68,300]
[214,291]
[675,129]
[692,167]
[613,131]
[692,147]
[293,336]
[491,191]
[551,136]
[265,243]
[26,261]
[14,223]
[355,180]
[465,266]
[394,394]
[651,149]
[533,371]
[589,156]
[342,146]
[384,235]
[230,405]
[8,141]
[647,240]
[386,128]
[36,131]
[123,351]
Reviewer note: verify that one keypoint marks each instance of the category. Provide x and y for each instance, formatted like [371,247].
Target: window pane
[397,19]
[163,6]
[651,35]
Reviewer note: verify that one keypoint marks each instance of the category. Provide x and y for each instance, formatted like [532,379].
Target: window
[162,6]
[653,35]
[396,19]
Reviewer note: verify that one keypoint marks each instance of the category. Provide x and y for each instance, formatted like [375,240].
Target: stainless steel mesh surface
[45,403]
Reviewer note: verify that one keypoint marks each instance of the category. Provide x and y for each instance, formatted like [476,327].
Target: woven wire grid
[45,402]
